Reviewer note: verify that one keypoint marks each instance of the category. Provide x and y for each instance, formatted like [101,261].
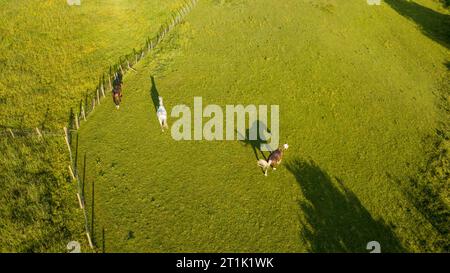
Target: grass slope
[50,54]
[357,87]
[53,52]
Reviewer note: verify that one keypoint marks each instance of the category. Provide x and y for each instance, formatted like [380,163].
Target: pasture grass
[360,90]
[53,53]
[50,55]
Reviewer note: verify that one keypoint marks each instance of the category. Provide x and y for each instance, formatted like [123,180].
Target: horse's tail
[263,164]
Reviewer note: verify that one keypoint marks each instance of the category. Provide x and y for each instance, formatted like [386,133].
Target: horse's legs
[161,123]
[116,100]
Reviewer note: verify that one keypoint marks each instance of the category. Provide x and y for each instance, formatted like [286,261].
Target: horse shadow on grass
[257,143]
[154,94]
[335,220]
[433,24]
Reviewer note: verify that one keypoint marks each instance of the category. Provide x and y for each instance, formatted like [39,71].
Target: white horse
[161,113]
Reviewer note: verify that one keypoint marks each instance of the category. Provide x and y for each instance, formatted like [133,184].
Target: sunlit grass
[50,55]
[357,87]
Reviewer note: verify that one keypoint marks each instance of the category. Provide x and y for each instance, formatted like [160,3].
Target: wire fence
[86,106]
[28,133]
[92,100]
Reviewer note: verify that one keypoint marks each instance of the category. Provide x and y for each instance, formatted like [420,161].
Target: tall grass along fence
[28,132]
[91,100]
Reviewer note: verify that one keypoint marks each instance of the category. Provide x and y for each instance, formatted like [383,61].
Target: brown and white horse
[117,89]
[117,95]
[274,159]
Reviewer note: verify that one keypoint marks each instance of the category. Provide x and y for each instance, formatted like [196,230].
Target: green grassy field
[363,94]
[56,59]
[51,54]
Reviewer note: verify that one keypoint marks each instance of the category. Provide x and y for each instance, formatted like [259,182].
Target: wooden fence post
[80,113]
[103,240]
[75,164]
[79,201]
[71,173]
[38,132]
[84,178]
[83,113]
[66,137]
[92,211]
[71,123]
[86,105]
[89,240]
[77,124]
[11,132]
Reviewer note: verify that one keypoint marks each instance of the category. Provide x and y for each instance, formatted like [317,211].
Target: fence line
[91,100]
[86,107]
[28,133]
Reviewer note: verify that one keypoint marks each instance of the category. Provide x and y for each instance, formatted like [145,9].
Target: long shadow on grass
[434,24]
[255,144]
[154,93]
[335,220]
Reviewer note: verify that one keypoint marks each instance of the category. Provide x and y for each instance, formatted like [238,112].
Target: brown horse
[274,159]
